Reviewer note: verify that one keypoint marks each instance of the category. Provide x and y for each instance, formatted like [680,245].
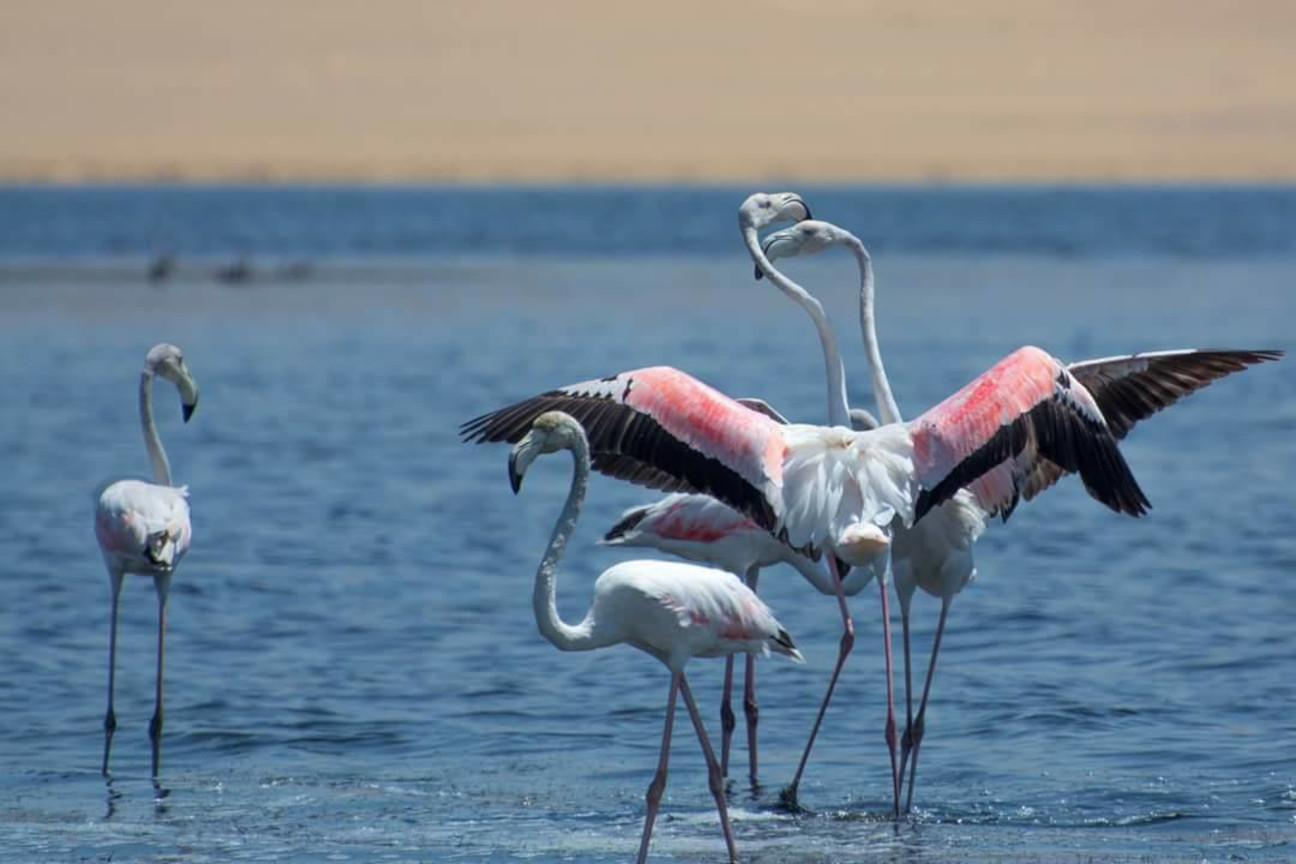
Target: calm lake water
[354,672]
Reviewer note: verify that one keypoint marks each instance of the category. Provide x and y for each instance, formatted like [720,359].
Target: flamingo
[670,610]
[839,414]
[936,554]
[143,527]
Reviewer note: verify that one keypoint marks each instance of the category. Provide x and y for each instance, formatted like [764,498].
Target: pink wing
[1024,409]
[661,428]
[689,518]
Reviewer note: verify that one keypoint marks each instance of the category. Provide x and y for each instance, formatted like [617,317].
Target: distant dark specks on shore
[235,273]
[161,268]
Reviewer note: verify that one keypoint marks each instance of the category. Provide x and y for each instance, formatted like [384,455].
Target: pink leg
[753,716]
[658,784]
[906,740]
[789,794]
[922,708]
[890,732]
[727,722]
[714,781]
[749,697]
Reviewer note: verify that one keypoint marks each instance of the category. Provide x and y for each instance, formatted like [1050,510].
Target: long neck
[545,602]
[161,467]
[887,407]
[838,404]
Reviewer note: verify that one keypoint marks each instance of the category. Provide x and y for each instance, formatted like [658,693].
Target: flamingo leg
[714,780]
[789,793]
[727,722]
[163,586]
[110,718]
[890,731]
[658,784]
[906,740]
[922,707]
[753,717]
[749,697]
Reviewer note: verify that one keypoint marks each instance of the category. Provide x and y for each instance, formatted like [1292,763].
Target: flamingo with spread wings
[144,528]
[936,553]
[670,610]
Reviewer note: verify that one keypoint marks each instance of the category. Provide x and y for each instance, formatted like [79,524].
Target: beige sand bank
[667,90]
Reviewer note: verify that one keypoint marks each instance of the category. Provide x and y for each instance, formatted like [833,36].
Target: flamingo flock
[860,499]
[845,504]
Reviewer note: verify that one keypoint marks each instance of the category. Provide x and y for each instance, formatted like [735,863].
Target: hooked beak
[188,408]
[797,199]
[515,478]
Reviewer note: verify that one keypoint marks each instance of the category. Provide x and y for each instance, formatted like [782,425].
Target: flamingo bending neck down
[670,610]
[144,528]
[936,553]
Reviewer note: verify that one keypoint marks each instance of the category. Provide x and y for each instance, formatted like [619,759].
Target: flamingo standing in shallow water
[669,610]
[936,554]
[143,527]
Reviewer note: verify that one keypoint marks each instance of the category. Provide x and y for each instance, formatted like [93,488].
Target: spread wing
[1133,387]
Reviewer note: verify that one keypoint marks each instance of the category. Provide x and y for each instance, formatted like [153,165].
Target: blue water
[398,221]
[353,669]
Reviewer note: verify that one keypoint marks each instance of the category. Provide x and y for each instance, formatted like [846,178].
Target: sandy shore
[585,90]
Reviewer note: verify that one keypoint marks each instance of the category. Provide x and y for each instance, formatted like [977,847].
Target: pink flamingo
[669,610]
[936,553]
[143,528]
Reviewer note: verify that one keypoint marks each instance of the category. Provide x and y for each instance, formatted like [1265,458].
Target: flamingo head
[166,361]
[551,431]
[769,208]
[808,237]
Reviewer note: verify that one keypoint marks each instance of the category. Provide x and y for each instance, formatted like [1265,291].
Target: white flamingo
[143,527]
[831,490]
[936,554]
[670,610]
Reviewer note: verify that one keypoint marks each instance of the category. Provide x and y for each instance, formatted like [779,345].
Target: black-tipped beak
[804,206]
[515,479]
[188,410]
[760,274]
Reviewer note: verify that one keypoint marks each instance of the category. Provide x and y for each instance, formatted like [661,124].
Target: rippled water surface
[354,672]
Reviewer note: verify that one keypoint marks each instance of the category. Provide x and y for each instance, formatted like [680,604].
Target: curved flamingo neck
[544,601]
[161,467]
[838,403]
[887,407]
